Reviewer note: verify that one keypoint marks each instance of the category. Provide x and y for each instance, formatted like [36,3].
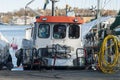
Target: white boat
[55,41]
[5,57]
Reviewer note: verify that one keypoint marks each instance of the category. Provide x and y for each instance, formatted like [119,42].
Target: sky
[13,5]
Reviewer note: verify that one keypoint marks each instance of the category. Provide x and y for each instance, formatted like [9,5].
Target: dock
[57,75]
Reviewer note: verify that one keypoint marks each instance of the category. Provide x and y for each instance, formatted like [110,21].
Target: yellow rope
[105,65]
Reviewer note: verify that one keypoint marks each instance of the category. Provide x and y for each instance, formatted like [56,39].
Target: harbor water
[13,33]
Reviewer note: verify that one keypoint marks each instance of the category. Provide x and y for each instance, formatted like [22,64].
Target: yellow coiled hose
[106,66]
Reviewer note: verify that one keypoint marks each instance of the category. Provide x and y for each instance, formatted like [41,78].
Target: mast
[98,9]
[98,16]
[53,6]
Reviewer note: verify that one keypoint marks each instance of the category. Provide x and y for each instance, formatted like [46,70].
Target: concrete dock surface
[57,75]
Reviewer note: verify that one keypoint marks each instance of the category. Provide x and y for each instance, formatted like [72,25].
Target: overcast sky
[12,5]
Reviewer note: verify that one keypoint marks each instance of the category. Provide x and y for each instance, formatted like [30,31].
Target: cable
[105,3]
[105,64]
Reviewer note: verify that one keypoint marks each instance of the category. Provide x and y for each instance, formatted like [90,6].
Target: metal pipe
[25,16]
[98,9]
[53,6]
[26,10]
[98,16]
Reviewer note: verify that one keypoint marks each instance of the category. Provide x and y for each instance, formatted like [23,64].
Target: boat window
[59,31]
[74,31]
[44,31]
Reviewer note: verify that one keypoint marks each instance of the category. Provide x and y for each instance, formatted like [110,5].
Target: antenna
[53,6]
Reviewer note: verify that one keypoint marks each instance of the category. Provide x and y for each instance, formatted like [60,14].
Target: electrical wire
[105,65]
[105,3]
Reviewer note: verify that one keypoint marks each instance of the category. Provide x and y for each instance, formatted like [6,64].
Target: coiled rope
[109,56]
